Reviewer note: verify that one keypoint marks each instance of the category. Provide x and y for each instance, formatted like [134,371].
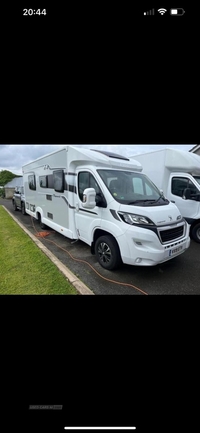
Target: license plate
[175,251]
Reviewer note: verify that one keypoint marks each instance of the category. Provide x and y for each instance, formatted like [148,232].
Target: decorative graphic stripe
[65,199]
[85,210]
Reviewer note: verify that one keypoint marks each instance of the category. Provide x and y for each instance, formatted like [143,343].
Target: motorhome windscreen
[197,178]
[132,188]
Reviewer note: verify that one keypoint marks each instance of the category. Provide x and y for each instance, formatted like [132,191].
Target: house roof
[17,181]
[195,148]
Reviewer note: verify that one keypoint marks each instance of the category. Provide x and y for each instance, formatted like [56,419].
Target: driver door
[188,208]
[86,220]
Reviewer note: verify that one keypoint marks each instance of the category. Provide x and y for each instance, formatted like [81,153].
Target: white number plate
[175,250]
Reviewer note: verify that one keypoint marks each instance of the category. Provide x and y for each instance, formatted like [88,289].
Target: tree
[6,176]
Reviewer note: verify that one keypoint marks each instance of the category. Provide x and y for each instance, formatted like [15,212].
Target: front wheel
[195,233]
[107,252]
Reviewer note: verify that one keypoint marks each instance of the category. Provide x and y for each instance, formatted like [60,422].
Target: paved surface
[177,276]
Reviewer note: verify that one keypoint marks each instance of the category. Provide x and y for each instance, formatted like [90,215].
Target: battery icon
[178,11]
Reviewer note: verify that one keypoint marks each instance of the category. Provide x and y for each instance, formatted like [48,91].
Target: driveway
[177,276]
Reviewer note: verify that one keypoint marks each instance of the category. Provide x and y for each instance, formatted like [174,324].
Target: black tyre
[42,225]
[195,233]
[14,205]
[23,208]
[107,252]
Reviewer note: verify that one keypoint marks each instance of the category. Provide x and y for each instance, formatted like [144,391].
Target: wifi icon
[162,11]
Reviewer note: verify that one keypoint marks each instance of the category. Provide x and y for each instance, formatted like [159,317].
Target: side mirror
[186,194]
[162,193]
[89,195]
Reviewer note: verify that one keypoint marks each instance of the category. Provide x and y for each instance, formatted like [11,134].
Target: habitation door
[86,220]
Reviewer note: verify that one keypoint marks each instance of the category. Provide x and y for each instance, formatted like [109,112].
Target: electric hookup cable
[44,234]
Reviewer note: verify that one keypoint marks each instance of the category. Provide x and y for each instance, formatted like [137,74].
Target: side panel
[55,206]
[153,164]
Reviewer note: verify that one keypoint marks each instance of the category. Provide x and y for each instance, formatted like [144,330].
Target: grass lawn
[24,269]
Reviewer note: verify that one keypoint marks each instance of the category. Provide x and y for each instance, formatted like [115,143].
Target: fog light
[138,260]
[138,243]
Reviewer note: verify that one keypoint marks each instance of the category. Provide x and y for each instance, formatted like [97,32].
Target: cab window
[86,180]
[180,183]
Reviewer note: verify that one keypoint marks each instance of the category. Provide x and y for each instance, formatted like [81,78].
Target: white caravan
[177,174]
[103,199]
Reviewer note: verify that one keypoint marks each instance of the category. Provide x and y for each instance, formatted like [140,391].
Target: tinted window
[86,180]
[43,181]
[50,181]
[180,183]
[31,182]
[58,181]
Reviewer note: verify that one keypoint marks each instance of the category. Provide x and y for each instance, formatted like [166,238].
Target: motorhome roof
[83,156]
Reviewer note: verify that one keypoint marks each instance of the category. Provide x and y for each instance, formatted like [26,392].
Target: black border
[139,86]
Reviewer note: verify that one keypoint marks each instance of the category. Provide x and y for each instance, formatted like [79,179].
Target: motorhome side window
[31,182]
[43,181]
[50,181]
[180,183]
[58,180]
[86,180]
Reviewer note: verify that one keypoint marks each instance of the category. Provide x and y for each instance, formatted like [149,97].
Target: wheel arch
[192,227]
[38,212]
[97,234]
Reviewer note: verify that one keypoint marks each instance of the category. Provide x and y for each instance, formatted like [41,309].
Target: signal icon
[162,11]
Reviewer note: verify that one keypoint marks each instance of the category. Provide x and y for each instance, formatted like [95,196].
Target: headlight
[130,218]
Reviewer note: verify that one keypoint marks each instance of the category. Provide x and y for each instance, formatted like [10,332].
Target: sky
[14,156]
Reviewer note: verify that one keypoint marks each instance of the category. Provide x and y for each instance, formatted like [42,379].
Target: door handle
[172,201]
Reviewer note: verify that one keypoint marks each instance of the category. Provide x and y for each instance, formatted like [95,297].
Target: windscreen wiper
[142,201]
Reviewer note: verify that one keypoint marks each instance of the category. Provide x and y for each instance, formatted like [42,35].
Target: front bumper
[142,247]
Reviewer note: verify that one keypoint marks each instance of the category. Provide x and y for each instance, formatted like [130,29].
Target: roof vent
[111,155]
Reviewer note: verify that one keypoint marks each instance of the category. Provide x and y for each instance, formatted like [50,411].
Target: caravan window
[31,182]
[58,180]
[43,181]
[50,181]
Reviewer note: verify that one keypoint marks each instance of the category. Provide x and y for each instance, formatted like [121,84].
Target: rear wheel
[14,205]
[107,252]
[195,233]
[23,208]
[42,225]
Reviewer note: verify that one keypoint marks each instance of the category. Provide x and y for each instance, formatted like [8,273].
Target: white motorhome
[104,200]
[177,173]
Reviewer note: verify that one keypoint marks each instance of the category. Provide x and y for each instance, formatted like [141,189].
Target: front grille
[169,235]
